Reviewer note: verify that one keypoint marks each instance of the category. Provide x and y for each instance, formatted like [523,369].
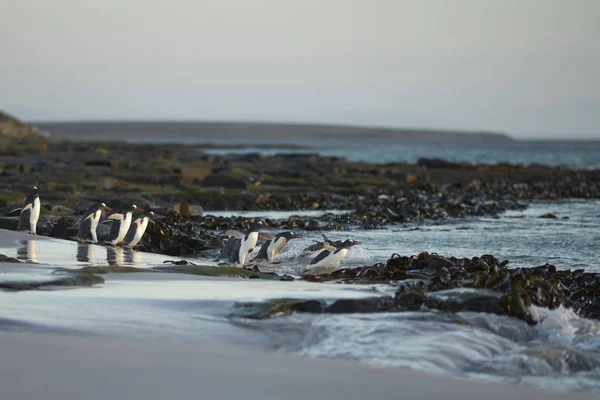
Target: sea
[562,352]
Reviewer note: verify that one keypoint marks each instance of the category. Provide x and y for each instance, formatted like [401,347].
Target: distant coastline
[111,130]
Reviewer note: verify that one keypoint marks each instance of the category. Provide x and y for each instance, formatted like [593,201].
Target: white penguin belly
[123,228]
[34,215]
[329,263]
[247,246]
[274,248]
[94,225]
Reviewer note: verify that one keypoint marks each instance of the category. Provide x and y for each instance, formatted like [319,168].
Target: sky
[529,68]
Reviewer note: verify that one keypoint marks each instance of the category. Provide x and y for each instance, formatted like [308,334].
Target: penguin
[323,244]
[137,229]
[120,224]
[88,223]
[328,259]
[274,245]
[247,244]
[30,213]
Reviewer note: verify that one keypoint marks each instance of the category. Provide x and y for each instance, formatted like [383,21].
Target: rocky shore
[181,182]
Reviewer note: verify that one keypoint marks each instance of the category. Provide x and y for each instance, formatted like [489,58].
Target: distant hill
[243,130]
[12,128]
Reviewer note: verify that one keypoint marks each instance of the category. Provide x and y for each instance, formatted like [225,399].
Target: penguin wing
[30,198]
[112,218]
[235,255]
[24,219]
[320,257]
[262,253]
[132,230]
[114,229]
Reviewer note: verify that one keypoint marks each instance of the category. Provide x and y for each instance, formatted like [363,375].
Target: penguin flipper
[24,219]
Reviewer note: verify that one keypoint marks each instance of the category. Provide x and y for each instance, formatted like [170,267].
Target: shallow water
[570,241]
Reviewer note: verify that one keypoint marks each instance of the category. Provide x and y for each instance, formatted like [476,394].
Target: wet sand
[66,367]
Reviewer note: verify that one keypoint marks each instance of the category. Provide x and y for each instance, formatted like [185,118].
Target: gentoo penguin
[89,222]
[137,229]
[247,243]
[323,244]
[30,213]
[120,224]
[274,246]
[327,260]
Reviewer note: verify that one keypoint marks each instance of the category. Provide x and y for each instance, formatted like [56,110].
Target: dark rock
[548,216]
[5,258]
[366,305]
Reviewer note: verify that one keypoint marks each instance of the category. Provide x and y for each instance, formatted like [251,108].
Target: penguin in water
[247,244]
[327,260]
[120,224]
[88,223]
[274,246]
[137,229]
[30,213]
[317,246]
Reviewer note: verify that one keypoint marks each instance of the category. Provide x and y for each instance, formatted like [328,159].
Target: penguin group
[125,230]
[129,223]
[326,254]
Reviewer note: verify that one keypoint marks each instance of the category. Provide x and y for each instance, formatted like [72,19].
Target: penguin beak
[296,236]
[354,243]
[107,208]
[140,209]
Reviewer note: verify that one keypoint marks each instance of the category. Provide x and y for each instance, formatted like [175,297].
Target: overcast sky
[530,68]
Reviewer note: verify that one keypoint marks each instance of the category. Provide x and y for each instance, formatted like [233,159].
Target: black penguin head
[35,190]
[346,244]
[131,208]
[100,206]
[257,226]
[289,235]
[149,213]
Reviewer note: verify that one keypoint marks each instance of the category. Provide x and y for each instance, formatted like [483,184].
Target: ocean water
[580,154]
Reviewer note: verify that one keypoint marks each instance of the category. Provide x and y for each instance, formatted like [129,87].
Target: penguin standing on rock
[328,259]
[120,224]
[137,229]
[274,246]
[30,213]
[89,222]
[247,243]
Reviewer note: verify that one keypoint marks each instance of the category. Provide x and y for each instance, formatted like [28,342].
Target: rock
[10,223]
[548,216]
[5,258]
[77,279]
[365,305]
